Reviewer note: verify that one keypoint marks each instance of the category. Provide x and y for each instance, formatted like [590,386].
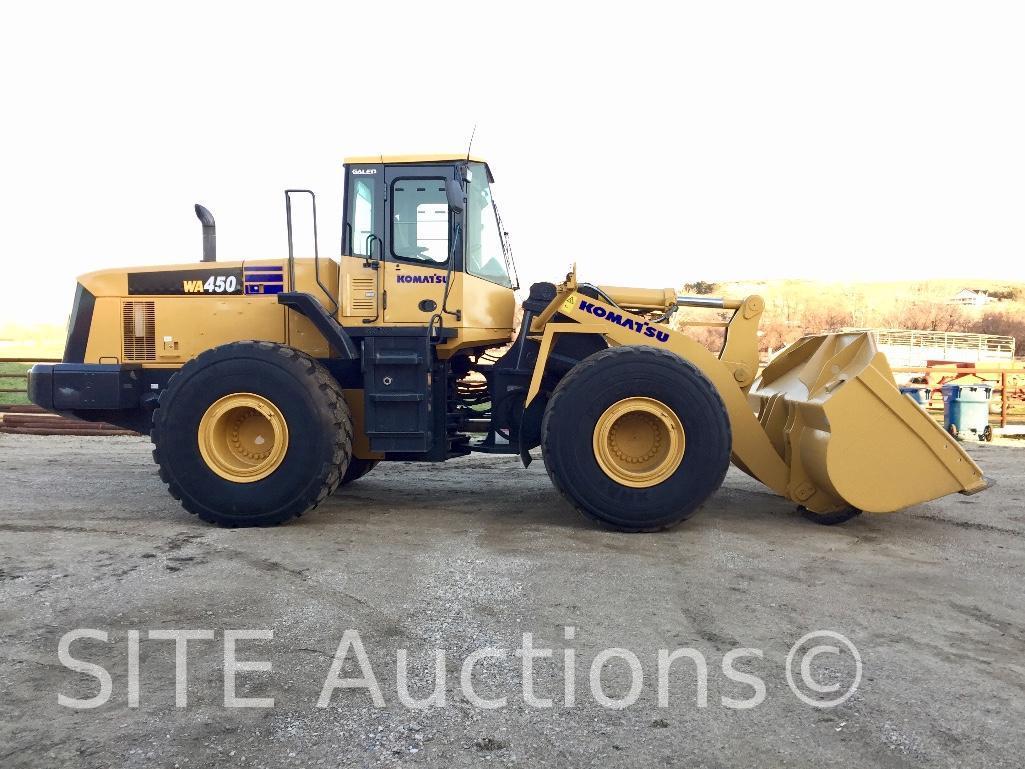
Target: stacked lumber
[32,420]
[18,408]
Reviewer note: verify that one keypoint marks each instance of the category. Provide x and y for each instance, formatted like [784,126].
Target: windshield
[485,251]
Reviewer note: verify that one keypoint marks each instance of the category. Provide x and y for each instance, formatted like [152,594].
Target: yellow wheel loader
[266,383]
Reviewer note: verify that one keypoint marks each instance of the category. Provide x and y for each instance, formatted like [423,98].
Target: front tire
[636,438]
[251,434]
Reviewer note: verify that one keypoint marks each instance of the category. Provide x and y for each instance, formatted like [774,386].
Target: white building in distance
[971,297]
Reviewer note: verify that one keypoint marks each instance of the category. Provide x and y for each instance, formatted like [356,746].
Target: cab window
[419,221]
[360,217]
[485,256]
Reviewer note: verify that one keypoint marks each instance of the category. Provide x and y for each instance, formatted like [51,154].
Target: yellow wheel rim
[243,437]
[639,442]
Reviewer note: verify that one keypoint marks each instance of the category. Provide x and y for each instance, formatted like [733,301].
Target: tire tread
[563,392]
[320,380]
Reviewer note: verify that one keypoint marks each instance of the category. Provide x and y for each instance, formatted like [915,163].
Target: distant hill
[797,307]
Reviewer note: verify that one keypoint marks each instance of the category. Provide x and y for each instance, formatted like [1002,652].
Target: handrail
[316,247]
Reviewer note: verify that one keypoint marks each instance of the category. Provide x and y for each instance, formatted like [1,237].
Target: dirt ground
[473,554]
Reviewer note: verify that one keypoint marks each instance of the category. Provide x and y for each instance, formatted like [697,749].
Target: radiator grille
[362,296]
[140,337]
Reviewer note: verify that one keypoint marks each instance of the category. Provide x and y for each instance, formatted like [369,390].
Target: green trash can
[966,410]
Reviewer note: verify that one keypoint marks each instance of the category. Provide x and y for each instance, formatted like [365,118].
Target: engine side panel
[160,317]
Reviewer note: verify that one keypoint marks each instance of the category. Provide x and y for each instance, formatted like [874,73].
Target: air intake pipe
[209,233]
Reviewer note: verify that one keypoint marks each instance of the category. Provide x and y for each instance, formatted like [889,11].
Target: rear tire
[622,498]
[357,469]
[205,469]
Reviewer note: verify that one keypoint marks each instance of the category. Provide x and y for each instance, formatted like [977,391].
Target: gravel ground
[474,554]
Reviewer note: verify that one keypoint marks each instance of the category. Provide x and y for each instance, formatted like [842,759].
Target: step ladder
[398,393]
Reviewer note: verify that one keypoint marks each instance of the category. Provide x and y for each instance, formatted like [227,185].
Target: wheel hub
[639,442]
[243,437]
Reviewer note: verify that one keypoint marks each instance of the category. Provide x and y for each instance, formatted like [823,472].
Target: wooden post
[1003,399]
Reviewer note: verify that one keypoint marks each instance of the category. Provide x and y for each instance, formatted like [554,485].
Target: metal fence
[915,348]
[20,376]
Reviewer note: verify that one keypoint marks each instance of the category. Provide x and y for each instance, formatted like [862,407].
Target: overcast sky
[657,144]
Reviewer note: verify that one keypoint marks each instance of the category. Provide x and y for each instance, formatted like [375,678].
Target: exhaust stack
[209,233]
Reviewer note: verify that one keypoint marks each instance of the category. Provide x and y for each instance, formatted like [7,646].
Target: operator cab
[426,229]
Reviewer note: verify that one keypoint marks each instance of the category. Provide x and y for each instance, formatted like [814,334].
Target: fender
[731,373]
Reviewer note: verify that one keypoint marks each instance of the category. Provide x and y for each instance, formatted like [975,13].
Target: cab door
[360,279]
[418,245]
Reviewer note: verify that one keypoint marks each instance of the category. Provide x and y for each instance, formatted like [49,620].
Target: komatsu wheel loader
[266,383]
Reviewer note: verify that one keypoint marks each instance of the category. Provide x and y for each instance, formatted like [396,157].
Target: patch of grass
[9,383]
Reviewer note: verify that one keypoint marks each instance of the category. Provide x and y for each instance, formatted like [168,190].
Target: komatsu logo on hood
[641,327]
[421,278]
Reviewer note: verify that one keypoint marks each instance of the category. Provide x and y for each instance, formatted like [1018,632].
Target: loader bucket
[832,410]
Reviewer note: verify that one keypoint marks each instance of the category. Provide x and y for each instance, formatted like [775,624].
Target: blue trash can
[966,410]
[920,394]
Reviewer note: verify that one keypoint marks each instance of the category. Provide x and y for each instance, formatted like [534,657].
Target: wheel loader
[266,383]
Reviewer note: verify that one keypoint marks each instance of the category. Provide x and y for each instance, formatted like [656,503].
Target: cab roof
[428,158]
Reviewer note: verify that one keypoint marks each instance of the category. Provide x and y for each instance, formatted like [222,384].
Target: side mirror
[456,196]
